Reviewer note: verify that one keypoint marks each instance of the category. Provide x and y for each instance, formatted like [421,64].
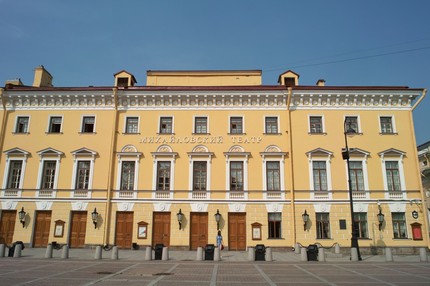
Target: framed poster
[256,231]
[59,228]
[142,230]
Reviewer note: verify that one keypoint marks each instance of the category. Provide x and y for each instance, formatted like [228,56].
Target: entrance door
[237,231]
[124,229]
[7,226]
[199,230]
[78,229]
[161,229]
[41,230]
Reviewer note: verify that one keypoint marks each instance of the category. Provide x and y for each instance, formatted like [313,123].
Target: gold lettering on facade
[199,140]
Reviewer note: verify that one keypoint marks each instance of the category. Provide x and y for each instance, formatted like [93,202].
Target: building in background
[424,161]
[197,151]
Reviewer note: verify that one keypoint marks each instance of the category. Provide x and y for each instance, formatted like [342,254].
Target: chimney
[321,82]
[14,82]
[42,78]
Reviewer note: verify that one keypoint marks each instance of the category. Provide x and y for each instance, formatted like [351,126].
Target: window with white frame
[16,160]
[55,123]
[163,175]
[128,169]
[316,125]
[273,176]
[166,125]
[356,175]
[49,168]
[399,225]
[83,175]
[163,172]
[351,122]
[323,225]
[236,125]
[14,177]
[236,176]
[271,125]
[88,124]
[386,124]
[393,175]
[360,220]
[49,174]
[199,171]
[320,175]
[132,125]
[274,225]
[22,124]
[200,175]
[273,171]
[201,125]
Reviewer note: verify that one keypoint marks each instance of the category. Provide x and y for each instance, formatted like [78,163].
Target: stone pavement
[182,269]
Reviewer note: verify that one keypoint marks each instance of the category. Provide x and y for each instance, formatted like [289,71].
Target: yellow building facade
[194,152]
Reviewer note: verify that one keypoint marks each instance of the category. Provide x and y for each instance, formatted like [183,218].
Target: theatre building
[194,152]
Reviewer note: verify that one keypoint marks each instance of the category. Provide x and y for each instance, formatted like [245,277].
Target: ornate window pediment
[319,152]
[17,152]
[84,152]
[392,152]
[50,152]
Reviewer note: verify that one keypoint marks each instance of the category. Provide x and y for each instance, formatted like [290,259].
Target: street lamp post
[345,156]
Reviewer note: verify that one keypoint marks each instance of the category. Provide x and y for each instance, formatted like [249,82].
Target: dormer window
[123,81]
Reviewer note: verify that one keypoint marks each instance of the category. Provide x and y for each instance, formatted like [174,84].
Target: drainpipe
[420,99]
[290,147]
[110,180]
[3,121]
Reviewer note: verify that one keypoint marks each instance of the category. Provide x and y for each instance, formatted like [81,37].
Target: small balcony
[321,195]
[159,194]
[81,194]
[126,194]
[237,195]
[199,195]
[46,193]
[274,195]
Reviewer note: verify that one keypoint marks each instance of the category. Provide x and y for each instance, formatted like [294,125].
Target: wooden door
[42,228]
[199,230]
[161,229]
[78,229]
[7,226]
[236,231]
[124,229]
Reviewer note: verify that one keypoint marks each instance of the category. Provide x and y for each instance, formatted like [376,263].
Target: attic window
[290,81]
[122,81]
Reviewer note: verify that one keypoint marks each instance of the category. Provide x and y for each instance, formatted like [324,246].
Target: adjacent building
[194,152]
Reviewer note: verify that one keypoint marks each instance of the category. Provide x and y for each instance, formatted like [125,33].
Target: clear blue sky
[84,42]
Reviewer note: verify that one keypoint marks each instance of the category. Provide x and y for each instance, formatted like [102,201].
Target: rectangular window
[166,125]
[22,124]
[399,225]
[274,222]
[163,176]
[271,125]
[320,175]
[88,124]
[236,176]
[48,175]
[386,124]
[200,125]
[199,176]
[55,124]
[360,221]
[127,175]
[316,124]
[323,225]
[236,125]
[83,175]
[356,175]
[273,176]
[14,176]
[132,125]
[351,122]
[393,175]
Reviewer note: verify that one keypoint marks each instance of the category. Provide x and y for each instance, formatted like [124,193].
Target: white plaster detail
[239,208]
[79,206]
[274,208]
[397,207]
[9,205]
[43,205]
[322,208]
[199,207]
[362,208]
[125,206]
[162,207]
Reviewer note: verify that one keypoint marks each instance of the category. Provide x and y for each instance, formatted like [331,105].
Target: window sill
[165,133]
[270,238]
[324,238]
[200,134]
[387,133]
[273,134]
[130,133]
[88,133]
[401,238]
[49,133]
[315,133]
[20,133]
[233,134]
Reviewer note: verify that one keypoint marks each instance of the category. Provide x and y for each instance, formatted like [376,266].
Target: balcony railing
[359,195]
[199,195]
[81,194]
[125,194]
[321,195]
[162,194]
[46,193]
[237,195]
[274,195]
[12,193]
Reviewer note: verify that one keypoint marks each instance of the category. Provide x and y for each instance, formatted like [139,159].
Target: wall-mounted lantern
[415,214]
[217,219]
[380,216]
[94,216]
[21,215]
[305,218]
[180,217]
